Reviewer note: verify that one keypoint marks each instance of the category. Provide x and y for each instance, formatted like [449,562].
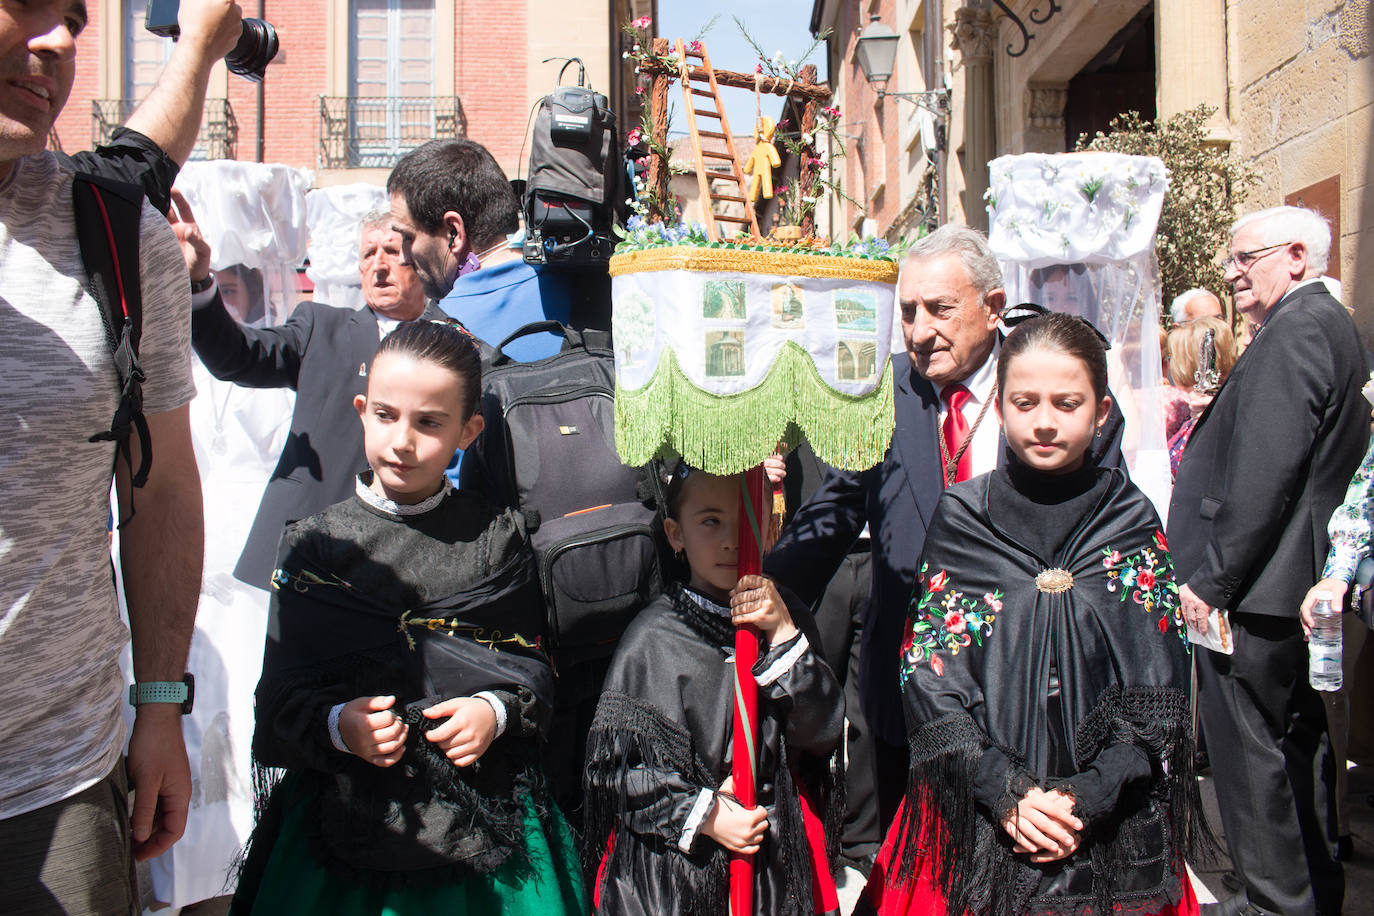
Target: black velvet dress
[424,603]
[1046,648]
[661,745]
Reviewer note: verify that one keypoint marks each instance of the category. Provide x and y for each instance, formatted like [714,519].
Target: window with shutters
[393,108]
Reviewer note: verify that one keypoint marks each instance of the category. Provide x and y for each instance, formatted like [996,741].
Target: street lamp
[876,51]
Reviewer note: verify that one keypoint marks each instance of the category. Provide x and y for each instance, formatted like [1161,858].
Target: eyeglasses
[1244,260]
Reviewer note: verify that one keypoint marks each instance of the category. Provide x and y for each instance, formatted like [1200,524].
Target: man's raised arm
[170,115]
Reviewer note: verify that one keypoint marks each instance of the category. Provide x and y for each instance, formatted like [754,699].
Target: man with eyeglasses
[1265,467]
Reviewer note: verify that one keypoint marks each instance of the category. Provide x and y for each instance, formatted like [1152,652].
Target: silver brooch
[1054,581]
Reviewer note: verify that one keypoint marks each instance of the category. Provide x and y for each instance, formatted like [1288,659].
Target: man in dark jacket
[1267,464]
[323,353]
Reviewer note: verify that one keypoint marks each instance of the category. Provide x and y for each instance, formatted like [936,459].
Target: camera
[256,47]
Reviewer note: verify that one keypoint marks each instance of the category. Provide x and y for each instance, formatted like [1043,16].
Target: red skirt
[887,895]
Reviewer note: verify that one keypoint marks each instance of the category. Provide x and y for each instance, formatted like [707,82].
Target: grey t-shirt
[60,633]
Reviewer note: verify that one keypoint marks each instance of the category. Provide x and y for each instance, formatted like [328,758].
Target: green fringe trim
[727,434]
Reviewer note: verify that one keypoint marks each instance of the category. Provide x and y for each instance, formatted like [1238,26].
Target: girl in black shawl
[1045,674]
[403,688]
[660,813]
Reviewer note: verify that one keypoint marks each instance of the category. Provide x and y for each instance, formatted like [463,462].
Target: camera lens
[255,50]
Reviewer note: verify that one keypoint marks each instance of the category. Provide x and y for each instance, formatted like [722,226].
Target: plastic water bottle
[1324,645]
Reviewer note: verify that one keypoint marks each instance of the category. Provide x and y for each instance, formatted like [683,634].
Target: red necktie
[956,428]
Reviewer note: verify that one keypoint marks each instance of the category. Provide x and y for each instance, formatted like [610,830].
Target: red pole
[753,496]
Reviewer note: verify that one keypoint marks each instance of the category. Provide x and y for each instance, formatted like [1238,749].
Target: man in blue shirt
[454,210]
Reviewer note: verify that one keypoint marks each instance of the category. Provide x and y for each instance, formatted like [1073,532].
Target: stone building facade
[359,82]
[1291,81]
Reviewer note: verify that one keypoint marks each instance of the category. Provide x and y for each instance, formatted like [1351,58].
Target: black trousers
[1272,766]
[564,750]
[838,621]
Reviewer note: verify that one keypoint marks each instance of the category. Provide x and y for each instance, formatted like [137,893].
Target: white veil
[1075,232]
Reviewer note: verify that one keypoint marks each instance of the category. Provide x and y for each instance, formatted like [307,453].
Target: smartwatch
[182,692]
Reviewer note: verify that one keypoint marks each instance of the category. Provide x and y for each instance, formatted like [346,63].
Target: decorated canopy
[1076,233]
[721,352]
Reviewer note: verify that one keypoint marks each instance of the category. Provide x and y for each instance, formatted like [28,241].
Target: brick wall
[871,158]
[73,125]
[295,81]
[490,78]
[489,75]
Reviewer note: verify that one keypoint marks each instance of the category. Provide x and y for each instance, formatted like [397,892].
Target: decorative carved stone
[1045,107]
[1354,28]
[974,34]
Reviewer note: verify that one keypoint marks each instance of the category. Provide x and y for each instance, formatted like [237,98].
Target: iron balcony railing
[219,131]
[376,132]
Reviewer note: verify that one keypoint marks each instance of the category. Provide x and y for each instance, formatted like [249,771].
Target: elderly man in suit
[1267,464]
[951,298]
[323,353]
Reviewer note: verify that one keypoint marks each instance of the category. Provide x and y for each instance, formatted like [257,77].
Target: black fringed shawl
[993,626]
[662,734]
[424,607]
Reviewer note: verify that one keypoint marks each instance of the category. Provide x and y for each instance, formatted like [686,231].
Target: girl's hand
[469,731]
[1336,588]
[1044,825]
[755,601]
[737,828]
[775,469]
[373,731]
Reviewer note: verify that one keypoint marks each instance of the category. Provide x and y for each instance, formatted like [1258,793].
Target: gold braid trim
[450,625]
[732,260]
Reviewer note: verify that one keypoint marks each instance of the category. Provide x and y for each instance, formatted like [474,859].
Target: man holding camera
[68,838]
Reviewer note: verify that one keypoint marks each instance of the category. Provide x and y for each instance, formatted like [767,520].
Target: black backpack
[548,450]
[108,215]
[575,189]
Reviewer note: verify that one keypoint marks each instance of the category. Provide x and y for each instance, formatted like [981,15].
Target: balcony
[376,132]
[219,131]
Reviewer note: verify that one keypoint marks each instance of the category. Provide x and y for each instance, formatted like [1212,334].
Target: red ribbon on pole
[754,504]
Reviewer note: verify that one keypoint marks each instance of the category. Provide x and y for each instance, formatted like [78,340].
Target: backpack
[108,216]
[574,191]
[548,450]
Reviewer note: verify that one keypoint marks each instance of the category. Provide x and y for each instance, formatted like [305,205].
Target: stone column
[1190,39]
[974,34]
[1045,117]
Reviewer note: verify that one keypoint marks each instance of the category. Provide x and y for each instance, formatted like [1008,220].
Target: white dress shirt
[987,436]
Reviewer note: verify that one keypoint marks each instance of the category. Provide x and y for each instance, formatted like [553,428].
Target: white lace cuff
[706,800]
[785,661]
[497,707]
[336,736]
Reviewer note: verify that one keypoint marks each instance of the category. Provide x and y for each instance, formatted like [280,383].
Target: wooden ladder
[704,75]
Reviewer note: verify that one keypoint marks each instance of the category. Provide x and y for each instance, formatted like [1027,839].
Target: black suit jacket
[323,353]
[896,499]
[1270,459]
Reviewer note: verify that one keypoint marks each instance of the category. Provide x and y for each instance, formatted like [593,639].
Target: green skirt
[294,882]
